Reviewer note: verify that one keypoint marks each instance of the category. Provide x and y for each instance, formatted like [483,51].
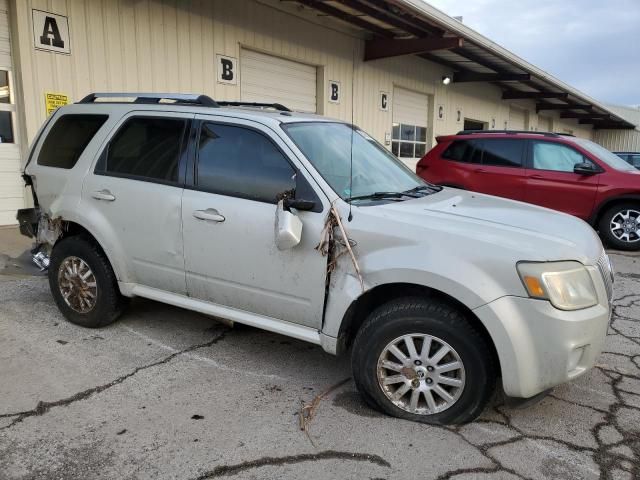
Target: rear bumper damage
[44,231]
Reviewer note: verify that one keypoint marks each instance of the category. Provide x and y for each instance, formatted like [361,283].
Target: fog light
[574,358]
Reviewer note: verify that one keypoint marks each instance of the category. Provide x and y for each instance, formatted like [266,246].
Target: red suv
[563,172]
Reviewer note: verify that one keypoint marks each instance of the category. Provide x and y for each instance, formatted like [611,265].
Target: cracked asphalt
[169,394]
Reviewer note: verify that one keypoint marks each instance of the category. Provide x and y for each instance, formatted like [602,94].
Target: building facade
[58,51]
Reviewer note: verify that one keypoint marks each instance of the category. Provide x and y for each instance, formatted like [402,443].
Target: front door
[228,218]
[135,192]
[552,183]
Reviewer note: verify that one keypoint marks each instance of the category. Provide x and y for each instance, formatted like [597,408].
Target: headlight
[567,285]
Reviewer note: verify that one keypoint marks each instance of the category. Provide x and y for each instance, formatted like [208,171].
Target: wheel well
[602,209]
[360,309]
[73,229]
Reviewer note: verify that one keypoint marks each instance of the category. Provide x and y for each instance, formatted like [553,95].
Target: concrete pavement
[169,394]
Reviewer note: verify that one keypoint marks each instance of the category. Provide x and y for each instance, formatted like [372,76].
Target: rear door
[499,168]
[135,193]
[552,183]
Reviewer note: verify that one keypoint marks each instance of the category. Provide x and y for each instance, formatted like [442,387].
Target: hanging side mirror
[288,227]
[585,168]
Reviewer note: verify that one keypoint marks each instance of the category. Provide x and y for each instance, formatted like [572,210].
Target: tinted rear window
[502,153]
[460,151]
[68,138]
[147,148]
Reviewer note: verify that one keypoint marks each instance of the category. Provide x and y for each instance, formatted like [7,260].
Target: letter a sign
[51,32]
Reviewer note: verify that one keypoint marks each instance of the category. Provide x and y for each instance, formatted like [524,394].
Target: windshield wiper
[383,195]
[422,188]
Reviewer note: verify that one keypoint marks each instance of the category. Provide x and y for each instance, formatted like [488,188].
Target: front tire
[83,284]
[421,360]
[620,226]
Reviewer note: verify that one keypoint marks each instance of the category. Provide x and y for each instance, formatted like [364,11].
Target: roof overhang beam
[517,95]
[385,48]
[470,76]
[557,106]
[584,116]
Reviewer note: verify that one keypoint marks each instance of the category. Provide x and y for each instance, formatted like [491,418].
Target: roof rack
[179,98]
[512,132]
[275,106]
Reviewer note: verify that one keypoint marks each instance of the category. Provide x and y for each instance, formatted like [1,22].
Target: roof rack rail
[510,132]
[275,106]
[179,98]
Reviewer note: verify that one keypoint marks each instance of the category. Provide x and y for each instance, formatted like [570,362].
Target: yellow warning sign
[52,101]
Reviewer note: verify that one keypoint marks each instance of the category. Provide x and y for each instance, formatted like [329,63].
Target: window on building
[502,153]
[67,139]
[408,141]
[240,162]
[6,109]
[147,148]
[555,156]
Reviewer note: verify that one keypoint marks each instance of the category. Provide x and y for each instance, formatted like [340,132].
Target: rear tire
[620,226]
[417,321]
[83,283]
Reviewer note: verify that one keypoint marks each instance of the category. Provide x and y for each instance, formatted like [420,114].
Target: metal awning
[413,27]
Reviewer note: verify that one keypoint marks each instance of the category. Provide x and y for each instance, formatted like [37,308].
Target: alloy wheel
[625,226]
[421,374]
[77,284]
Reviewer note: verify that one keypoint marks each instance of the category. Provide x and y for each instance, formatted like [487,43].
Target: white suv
[307,227]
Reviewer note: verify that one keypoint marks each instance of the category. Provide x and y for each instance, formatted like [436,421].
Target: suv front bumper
[540,346]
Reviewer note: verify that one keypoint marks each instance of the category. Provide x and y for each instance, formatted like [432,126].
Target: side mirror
[298,204]
[288,228]
[584,168]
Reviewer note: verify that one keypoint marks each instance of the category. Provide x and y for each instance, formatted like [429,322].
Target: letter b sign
[227,69]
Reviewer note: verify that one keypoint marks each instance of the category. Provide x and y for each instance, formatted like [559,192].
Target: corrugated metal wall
[170,45]
[619,140]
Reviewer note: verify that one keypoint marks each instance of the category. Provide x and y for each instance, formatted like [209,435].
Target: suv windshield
[605,155]
[377,174]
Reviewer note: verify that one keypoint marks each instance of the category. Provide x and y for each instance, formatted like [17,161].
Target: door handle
[105,195]
[480,170]
[210,214]
[537,177]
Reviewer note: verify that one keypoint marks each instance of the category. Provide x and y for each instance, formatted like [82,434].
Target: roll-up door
[266,78]
[409,134]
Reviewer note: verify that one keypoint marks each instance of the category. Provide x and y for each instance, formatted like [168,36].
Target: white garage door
[11,185]
[545,124]
[517,119]
[265,78]
[409,134]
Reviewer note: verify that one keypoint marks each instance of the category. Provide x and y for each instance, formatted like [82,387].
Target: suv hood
[536,232]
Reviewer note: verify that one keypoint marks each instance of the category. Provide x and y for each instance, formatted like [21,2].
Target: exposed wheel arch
[597,214]
[358,311]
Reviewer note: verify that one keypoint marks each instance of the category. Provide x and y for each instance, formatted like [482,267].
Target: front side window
[555,156]
[241,162]
[502,153]
[147,148]
[68,138]
[333,148]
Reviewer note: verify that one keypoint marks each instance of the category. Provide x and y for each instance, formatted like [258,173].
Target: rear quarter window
[68,138]
[462,151]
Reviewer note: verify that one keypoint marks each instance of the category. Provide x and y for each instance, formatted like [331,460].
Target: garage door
[517,119]
[409,134]
[545,124]
[11,186]
[265,78]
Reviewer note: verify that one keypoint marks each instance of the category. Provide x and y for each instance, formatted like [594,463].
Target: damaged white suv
[307,227]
